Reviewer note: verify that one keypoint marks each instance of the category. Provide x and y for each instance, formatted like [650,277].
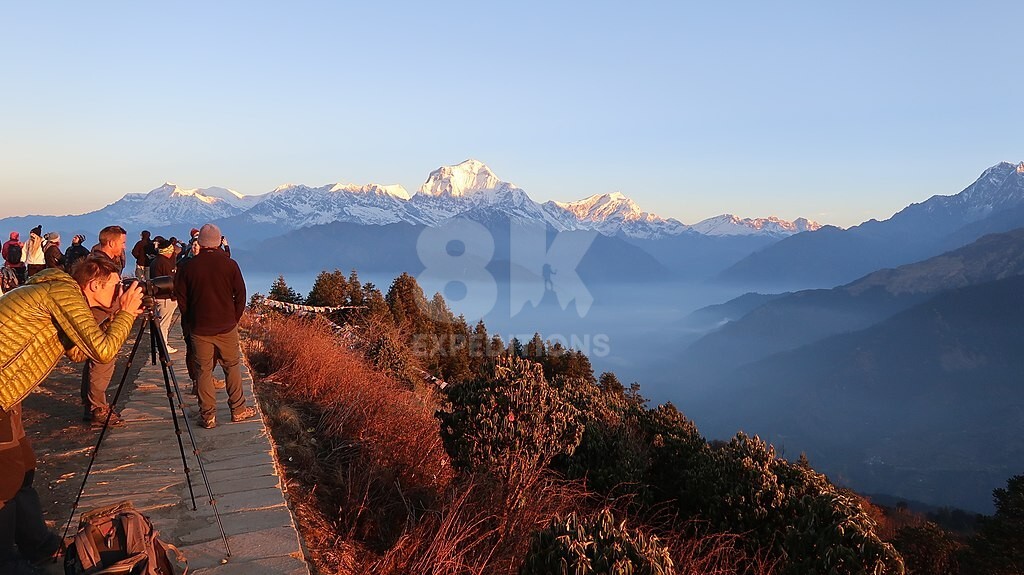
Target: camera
[158,287]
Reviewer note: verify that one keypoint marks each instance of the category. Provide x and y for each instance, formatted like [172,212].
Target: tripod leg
[166,367]
[103,431]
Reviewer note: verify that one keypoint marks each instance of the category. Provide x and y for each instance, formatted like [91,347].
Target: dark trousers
[96,376]
[206,347]
[22,528]
[22,274]
[33,269]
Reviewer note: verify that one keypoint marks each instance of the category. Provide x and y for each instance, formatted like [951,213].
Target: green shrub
[511,424]
[598,546]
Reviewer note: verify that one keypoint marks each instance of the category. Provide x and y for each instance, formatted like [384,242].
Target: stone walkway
[142,463]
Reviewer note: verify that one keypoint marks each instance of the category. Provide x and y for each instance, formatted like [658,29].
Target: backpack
[14,253]
[119,539]
[8,279]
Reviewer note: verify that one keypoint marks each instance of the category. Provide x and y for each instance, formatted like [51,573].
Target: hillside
[922,405]
[832,256]
[793,320]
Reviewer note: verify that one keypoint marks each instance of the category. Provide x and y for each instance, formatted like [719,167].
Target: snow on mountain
[467,190]
[170,204]
[730,225]
[610,214]
[297,206]
[998,187]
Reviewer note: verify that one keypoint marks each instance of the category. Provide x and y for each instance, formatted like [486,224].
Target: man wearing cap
[12,256]
[75,252]
[210,293]
[163,266]
[52,255]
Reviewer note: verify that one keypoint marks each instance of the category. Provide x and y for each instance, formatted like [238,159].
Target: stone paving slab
[143,463]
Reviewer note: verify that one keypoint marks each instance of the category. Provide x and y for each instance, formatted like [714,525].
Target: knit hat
[193,233]
[163,247]
[53,237]
[38,230]
[78,239]
[15,236]
[209,236]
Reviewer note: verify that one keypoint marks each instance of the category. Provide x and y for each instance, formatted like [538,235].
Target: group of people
[22,260]
[81,309]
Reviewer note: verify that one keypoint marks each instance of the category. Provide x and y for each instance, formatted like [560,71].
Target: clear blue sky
[835,111]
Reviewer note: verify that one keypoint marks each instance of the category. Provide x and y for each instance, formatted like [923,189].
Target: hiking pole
[169,380]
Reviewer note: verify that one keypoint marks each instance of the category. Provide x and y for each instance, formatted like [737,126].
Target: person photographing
[48,317]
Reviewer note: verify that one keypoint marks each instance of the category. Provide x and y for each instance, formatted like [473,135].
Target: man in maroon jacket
[210,293]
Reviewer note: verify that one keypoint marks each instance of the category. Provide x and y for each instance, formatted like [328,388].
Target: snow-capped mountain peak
[461,180]
[600,207]
[611,214]
[730,225]
[394,190]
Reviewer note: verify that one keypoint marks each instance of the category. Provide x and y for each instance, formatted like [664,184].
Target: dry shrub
[701,552]
[370,444]
[478,530]
[372,487]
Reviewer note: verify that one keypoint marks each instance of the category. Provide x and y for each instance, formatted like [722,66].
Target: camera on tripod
[158,287]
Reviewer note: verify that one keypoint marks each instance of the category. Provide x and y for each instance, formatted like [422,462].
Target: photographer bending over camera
[40,321]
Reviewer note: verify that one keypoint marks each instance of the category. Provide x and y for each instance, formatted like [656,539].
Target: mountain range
[902,381]
[832,256]
[464,190]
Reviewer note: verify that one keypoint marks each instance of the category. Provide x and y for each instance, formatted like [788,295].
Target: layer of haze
[837,111]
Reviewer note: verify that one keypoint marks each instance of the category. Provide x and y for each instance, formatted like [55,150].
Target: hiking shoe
[206,422]
[171,349]
[242,414]
[218,383]
[99,418]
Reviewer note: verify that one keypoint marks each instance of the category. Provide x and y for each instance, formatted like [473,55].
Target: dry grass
[373,490]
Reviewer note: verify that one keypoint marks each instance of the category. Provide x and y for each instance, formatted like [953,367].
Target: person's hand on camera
[131,299]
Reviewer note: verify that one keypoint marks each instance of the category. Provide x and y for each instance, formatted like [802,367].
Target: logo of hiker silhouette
[476,268]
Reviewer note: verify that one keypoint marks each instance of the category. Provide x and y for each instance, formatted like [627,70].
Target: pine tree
[330,289]
[281,292]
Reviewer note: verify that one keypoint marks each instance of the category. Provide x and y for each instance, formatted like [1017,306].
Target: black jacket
[210,292]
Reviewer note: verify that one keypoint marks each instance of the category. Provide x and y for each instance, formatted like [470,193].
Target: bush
[595,546]
[510,425]
[927,550]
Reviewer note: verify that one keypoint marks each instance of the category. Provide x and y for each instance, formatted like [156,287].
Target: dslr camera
[158,287]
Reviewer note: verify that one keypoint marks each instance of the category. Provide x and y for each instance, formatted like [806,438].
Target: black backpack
[14,254]
[119,539]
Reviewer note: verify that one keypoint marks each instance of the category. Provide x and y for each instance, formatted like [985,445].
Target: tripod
[158,348]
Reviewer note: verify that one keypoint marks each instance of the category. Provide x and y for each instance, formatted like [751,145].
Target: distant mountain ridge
[784,322]
[831,256]
[925,405]
[468,190]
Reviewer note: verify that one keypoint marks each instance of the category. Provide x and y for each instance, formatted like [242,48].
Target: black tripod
[158,347]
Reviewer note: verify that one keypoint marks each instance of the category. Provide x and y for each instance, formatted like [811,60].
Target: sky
[835,111]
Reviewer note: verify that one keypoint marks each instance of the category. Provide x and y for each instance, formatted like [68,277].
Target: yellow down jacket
[44,319]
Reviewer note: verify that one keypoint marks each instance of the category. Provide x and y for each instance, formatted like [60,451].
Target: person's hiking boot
[242,414]
[218,383]
[171,349]
[206,422]
[99,418]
